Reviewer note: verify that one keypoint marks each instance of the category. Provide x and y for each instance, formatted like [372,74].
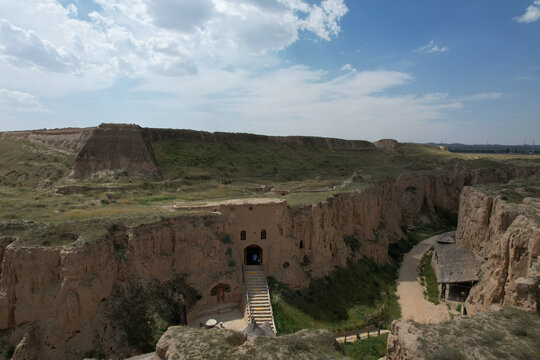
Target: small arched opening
[219,291]
[243,235]
[253,255]
[263,234]
[301,246]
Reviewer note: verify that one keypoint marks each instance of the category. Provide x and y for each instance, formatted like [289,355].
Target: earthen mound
[387,144]
[115,149]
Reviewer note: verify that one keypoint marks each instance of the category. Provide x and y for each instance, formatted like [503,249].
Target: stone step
[259,305]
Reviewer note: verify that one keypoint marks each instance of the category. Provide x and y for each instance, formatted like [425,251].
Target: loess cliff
[55,301]
[505,236]
[500,224]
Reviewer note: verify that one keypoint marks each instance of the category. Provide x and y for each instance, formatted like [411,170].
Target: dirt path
[414,305]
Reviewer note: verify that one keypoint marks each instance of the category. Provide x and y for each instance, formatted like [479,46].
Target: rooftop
[456,263]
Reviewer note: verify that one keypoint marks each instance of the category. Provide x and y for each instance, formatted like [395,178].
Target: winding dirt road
[414,305]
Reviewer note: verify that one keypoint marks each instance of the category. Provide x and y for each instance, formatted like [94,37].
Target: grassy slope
[368,349]
[353,297]
[26,164]
[428,278]
[199,171]
[347,298]
[270,162]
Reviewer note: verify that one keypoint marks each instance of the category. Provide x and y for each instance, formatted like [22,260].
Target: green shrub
[352,243]
[428,278]
[227,239]
[347,298]
[372,348]
[143,313]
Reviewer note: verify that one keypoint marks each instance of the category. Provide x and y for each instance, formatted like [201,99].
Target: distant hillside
[490,149]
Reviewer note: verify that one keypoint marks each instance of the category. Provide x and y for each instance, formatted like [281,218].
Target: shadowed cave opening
[253,255]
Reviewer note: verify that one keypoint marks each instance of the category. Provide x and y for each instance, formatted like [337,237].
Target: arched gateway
[253,255]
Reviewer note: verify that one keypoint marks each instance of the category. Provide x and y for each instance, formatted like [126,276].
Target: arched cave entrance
[219,291]
[253,255]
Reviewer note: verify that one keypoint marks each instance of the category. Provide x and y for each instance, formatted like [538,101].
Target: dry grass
[507,334]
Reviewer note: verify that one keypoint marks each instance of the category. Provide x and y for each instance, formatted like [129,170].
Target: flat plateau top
[231,202]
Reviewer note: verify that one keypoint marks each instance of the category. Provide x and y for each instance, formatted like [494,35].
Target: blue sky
[462,71]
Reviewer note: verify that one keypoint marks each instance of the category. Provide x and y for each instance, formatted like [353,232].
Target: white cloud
[25,48]
[18,100]
[347,67]
[300,100]
[483,96]
[183,15]
[431,47]
[135,38]
[531,14]
[323,20]
[216,68]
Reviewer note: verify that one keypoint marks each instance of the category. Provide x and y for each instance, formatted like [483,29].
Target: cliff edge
[500,224]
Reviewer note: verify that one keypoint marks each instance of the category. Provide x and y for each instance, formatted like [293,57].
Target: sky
[463,71]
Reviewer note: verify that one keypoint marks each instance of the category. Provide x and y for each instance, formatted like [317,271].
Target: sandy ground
[231,317]
[414,305]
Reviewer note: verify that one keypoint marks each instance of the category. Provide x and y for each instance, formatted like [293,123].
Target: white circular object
[211,322]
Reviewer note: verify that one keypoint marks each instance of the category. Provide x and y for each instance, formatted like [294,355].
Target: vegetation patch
[6,350]
[372,348]
[350,297]
[441,222]
[428,279]
[352,243]
[143,313]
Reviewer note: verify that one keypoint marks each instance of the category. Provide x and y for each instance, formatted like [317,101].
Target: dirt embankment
[57,297]
[505,238]
[113,150]
[70,139]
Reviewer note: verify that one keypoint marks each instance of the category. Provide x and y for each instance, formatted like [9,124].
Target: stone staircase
[258,306]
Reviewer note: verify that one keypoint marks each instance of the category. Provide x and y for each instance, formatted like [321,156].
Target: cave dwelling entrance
[253,255]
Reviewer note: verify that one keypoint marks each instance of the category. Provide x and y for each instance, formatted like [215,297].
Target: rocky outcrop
[506,240]
[501,333]
[70,139]
[189,344]
[403,342]
[115,149]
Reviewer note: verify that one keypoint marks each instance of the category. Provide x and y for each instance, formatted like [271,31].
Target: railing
[271,309]
[248,310]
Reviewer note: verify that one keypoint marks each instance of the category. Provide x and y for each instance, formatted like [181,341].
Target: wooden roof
[456,264]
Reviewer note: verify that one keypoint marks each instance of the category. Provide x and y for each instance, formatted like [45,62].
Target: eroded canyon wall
[506,240]
[58,296]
